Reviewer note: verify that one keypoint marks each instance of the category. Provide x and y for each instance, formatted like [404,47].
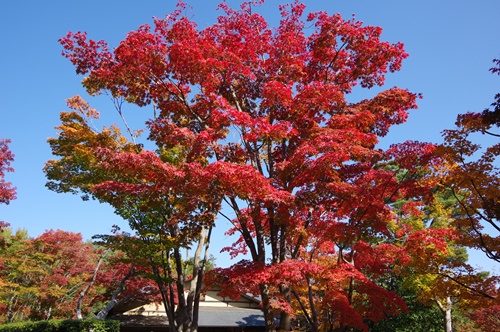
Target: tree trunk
[10,311]
[446,311]
[447,315]
[285,318]
[182,318]
[266,307]
[193,283]
[114,302]
[199,281]
[85,290]
[168,308]
[186,312]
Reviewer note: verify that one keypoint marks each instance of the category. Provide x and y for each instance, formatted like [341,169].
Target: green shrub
[63,326]
[89,325]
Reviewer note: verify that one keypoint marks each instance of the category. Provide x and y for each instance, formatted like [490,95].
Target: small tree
[165,207]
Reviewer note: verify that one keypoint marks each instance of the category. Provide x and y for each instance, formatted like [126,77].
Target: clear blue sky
[451,45]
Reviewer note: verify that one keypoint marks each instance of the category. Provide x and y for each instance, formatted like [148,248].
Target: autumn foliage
[42,278]
[7,191]
[472,151]
[261,120]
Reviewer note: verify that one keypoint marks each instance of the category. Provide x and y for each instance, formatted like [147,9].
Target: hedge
[63,326]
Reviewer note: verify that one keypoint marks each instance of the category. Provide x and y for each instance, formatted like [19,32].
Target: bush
[63,326]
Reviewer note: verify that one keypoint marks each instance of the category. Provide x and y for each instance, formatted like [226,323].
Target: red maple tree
[57,273]
[472,151]
[259,118]
[41,276]
[488,318]
[7,192]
